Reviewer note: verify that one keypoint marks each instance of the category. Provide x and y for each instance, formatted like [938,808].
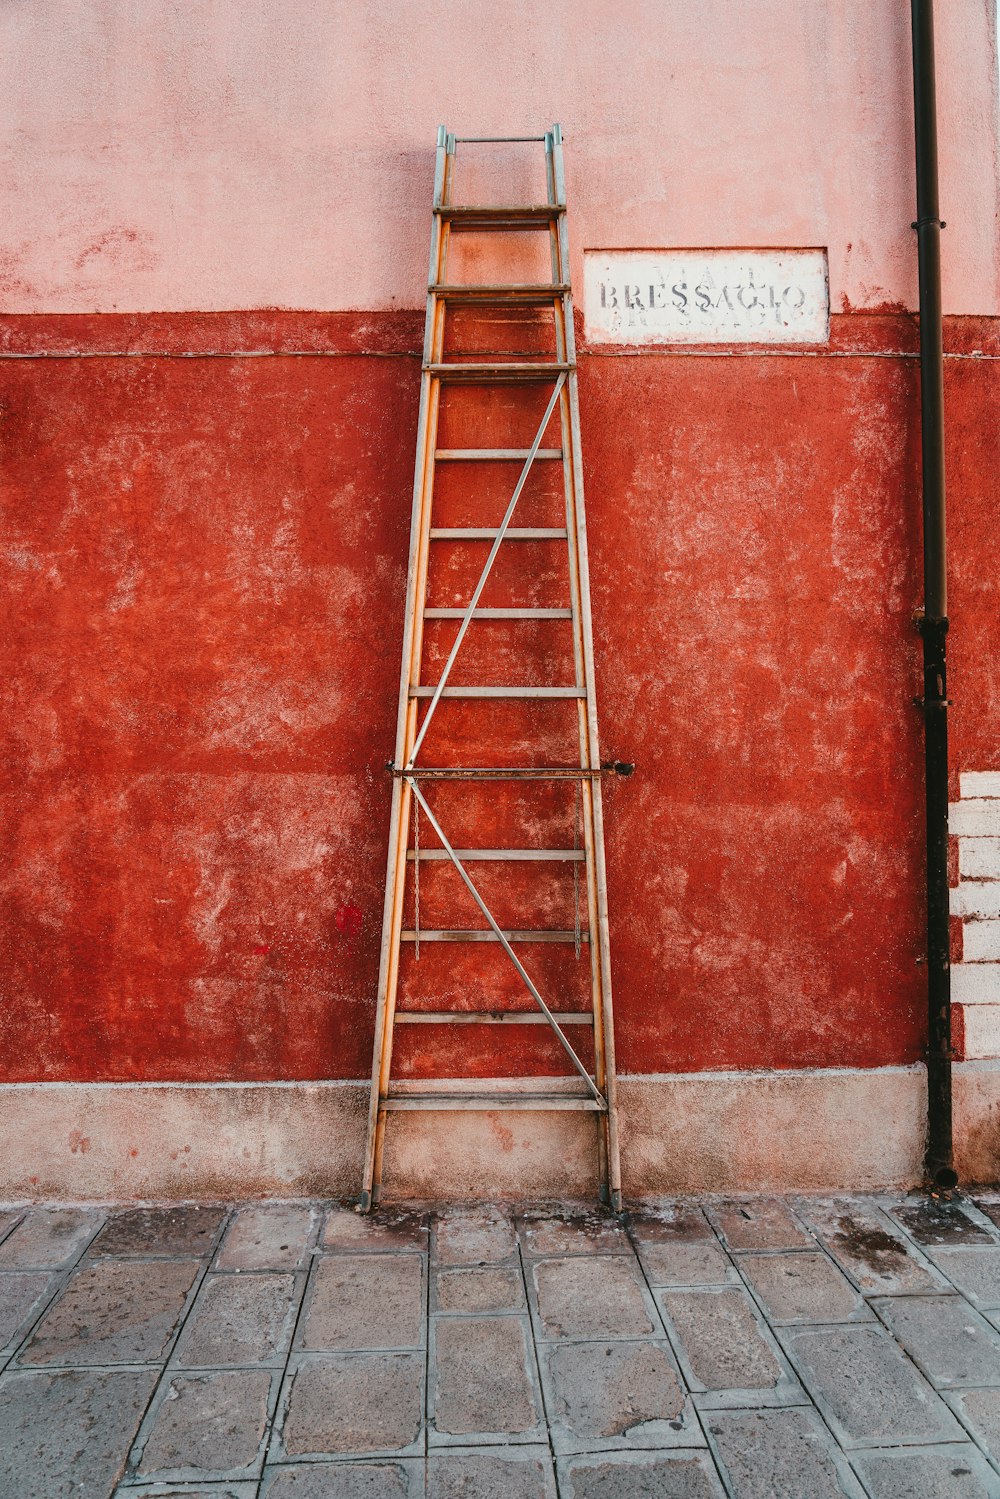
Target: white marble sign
[706,296]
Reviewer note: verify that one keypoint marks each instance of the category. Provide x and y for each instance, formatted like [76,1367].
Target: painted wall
[207,554]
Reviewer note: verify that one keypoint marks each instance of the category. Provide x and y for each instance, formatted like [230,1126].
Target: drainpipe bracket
[936,624]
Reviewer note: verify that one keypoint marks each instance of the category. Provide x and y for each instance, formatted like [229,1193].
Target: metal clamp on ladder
[588,1083]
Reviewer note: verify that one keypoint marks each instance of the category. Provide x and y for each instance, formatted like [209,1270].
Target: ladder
[435,796]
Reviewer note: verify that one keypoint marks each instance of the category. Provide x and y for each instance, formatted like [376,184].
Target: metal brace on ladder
[594,1089]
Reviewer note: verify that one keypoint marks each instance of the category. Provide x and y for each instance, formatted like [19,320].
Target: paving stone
[267,1238]
[990,1206]
[68,1432]
[160,1231]
[861,1239]
[668,1223]
[953,1344]
[639,1475]
[114,1312]
[598,1393]
[225,1490]
[802,1288]
[952,1472]
[211,1422]
[760,1223]
[479,1290]
[481,1381]
[778,1455]
[473,1236]
[48,1237]
[976,1273]
[9,1218]
[365,1301]
[867,1388]
[355,1403]
[238,1320]
[20,1294]
[981,1409]
[933,1221]
[506,1473]
[388,1229]
[235,1490]
[402,1479]
[722,1340]
[679,1263]
[558,1233]
[601,1297]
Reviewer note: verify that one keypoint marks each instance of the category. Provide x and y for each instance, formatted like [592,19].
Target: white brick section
[975,983]
[979,783]
[979,858]
[977,818]
[977,898]
[982,1032]
[980,941]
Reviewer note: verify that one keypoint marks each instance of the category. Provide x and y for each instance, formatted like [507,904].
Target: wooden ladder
[588,1083]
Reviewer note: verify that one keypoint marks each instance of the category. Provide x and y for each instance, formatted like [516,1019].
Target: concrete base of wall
[701,1132]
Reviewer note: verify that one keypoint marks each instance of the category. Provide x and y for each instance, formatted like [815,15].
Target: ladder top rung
[486,934]
[491,1017]
[485,1101]
[489,533]
[503,373]
[539,692]
[499,215]
[527,855]
[499,614]
[492,455]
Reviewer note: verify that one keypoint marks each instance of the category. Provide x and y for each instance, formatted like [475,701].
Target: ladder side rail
[497,929]
[406,713]
[563,309]
[598,1009]
[591,791]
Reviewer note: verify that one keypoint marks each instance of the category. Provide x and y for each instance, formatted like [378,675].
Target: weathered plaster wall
[206,518]
[207,558]
[230,155]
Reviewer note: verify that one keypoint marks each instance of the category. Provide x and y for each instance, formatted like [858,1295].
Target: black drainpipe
[933,621]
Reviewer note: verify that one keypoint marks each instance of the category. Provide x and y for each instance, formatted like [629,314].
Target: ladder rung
[499,215]
[490,533]
[523,295]
[504,772]
[536,692]
[491,1017]
[492,455]
[527,855]
[537,934]
[482,373]
[538,1100]
[499,614]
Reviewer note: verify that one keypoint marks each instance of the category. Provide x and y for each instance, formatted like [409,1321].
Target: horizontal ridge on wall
[262,332]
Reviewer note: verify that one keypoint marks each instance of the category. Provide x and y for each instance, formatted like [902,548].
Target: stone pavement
[762,1349]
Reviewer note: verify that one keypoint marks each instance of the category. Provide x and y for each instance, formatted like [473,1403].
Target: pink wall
[238,153]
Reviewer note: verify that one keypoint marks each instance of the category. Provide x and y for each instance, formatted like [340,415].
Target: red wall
[206,559]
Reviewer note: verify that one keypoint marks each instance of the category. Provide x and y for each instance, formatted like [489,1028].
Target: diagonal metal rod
[581,1069]
[467,617]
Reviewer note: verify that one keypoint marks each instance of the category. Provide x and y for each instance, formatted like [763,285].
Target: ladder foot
[616,1202]
[365,1202]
